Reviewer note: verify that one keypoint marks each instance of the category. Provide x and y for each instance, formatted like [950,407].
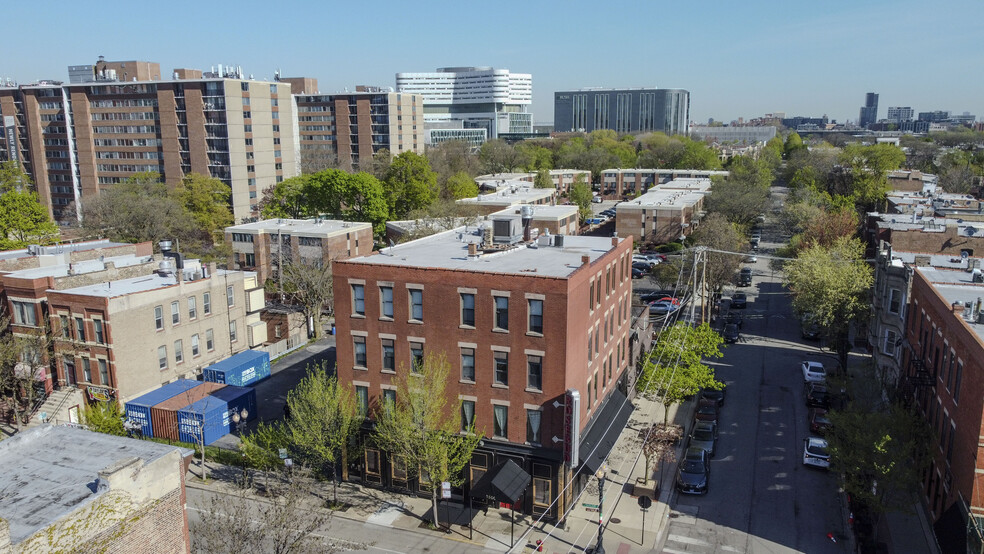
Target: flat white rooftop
[123,287]
[449,250]
[60,249]
[513,192]
[663,198]
[80,267]
[318,227]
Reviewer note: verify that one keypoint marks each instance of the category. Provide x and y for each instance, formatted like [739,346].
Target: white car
[815,452]
[813,372]
[645,260]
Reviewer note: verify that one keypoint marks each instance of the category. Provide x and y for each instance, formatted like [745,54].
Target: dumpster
[211,417]
[164,416]
[245,368]
[138,409]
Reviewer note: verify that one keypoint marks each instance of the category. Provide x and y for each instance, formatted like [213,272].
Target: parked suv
[745,277]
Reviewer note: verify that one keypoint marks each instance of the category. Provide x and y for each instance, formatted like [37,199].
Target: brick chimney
[958,308]
[472,249]
[614,242]
[922,261]
[585,260]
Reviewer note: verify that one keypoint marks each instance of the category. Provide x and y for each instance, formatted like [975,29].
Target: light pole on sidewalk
[600,474]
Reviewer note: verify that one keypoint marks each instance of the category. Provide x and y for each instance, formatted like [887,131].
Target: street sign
[445,489]
[288,462]
[645,502]
[586,505]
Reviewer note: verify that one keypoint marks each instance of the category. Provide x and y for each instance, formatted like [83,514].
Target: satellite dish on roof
[971,230]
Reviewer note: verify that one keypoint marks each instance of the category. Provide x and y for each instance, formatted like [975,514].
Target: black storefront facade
[543,469]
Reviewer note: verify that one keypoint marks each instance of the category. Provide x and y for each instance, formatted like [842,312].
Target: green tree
[309,286]
[207,199]
[12,177]
[380,164]
[261,448]
[364,199]
[717,233]
[675,368]
[458,186]
[24,221]
[323,417]
[793,144]
[581,195]
[535,157]
[832,285]
[868,166]
[410,184]
[104,417]
[498,156]
[422,428]
[697,155]
[543,180]
[740,201]
[453,157]
[659,151]
[287,199]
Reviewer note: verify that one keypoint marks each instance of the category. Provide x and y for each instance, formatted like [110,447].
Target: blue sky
[741,58]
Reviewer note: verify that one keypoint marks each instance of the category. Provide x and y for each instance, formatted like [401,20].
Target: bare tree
[314,160]
[311,287]
[23,359]
[659,446]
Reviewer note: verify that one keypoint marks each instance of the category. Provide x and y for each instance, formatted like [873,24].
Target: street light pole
[600,474]
[239,419]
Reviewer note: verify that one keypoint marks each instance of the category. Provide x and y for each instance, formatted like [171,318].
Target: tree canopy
[675,369]
[411,184]
[581,195]
[23,220]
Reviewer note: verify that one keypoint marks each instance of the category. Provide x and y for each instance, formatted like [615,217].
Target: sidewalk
[491,529]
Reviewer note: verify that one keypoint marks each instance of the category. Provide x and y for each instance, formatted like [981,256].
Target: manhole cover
[615,520]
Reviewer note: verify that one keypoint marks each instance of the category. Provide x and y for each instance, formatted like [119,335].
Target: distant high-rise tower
[869,112]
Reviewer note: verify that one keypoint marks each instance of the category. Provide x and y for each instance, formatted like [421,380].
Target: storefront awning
[506,481]
[604,432]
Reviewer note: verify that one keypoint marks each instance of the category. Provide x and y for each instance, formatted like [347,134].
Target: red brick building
[526,326]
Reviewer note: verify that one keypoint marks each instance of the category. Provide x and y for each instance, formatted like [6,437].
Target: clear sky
[740,58]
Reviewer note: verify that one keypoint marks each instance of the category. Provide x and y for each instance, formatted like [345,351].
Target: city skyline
[737,61]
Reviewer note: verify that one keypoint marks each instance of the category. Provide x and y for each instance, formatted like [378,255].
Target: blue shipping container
[138,409]
[212,415]
[245,368]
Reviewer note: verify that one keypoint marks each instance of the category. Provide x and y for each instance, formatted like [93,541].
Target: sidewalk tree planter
[659,443]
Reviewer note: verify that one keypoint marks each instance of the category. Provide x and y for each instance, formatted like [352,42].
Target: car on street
[730,333]
[704,435]
[813,372]
[819,422]
[815,452]
[663,307]
[707,410]
[817,396]
[716,396]
[597,199]
[739,300]
[751,258]
[745,277]
[809,329]
[694,472]
[734,317]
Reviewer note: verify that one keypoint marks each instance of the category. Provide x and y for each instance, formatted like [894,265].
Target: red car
[707,410]
[819,423]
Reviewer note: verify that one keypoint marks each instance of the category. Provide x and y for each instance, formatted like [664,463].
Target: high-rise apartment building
[478,97]
[351,127]
[869,112]
[77,139]
[638,110]
[900,114]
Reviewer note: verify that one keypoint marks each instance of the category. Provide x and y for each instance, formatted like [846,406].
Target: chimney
[958,308]
[614,242]
[585,260]
[922,261]
[472,249]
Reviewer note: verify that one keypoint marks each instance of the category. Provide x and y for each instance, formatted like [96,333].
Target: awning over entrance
[506,481]
[607,426]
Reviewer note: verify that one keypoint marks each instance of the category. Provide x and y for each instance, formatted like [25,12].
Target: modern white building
[479,97]
[898,114]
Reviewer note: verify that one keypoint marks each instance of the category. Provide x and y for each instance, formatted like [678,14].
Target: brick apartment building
[115,119]
[354,126]
[562,179]
[506,193]
[628,182]
[263,246]
[116,494]
[553,220]
[942,359]
[665,213]
[526,327]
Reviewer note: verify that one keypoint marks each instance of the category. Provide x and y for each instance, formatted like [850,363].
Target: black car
[638,273]
[734,317]
[730,333]
[641,266]
[693,472]
[817,396]
[707,410]
[745,277]
[739,300]
[717,396]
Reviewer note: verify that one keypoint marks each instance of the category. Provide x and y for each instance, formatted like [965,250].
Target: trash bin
[332,328]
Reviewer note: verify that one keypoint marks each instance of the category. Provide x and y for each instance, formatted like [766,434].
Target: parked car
[751,258]
[813,372]
[637,259]
[597,199]
[694,472]
[704,435]
[662,307]
[745,277]
[809,329]
[717,396]
[707,410]
[739,300]
[655,295]
[817,396]
[819,422]
[734,317]
[815,452]
[638,273]
[652,254]
[730,333]
[642,266]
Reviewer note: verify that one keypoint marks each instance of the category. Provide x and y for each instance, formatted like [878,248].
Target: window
[360,351]
[207,303]
[24,313]
[399,468]
[229,297]
[159,317]
[175,313]
[386,301]
[500,426]
[956,386]
[502,312]
[103,371]
[468,309]
[66,329]
[533,426]
[87,370]
[195,346]
[895,301]
[389,398]
[372,462]
[162,357]
[178,351]
[97,325]
[192,307]
[80,328]
[389,355]
[501,368]
[534,372]
[362,399]
[358,300]
[536,316]
[416,305]
[467,416]
[541,492]
[232,331]
[416,356]
[209,340]
[889,347]
[468,364]
[69,363]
